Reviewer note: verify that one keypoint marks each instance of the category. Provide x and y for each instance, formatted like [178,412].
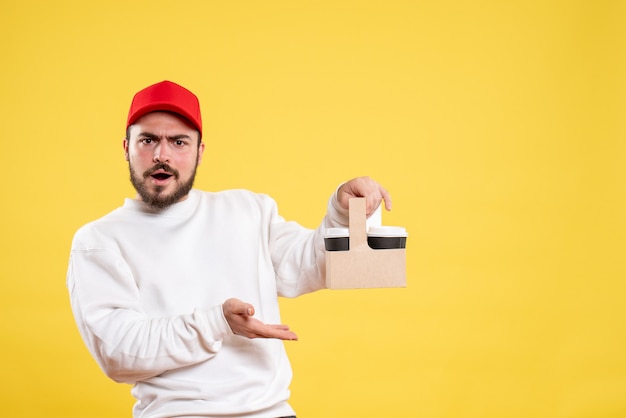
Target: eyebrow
[171,138]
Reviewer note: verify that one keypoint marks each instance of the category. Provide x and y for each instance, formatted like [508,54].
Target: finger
[359,187]
[257,329]
[281,332]
[238,307]
[386,197]
[375,196]
[244,309]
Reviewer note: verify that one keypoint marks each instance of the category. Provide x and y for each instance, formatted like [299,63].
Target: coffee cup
[337,239]
[386,237]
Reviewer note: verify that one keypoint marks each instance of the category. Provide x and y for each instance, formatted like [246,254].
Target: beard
[155,199]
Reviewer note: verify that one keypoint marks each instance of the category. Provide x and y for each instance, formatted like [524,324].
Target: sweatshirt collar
[176,210]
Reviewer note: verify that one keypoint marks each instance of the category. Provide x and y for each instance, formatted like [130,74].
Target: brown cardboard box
[362,267]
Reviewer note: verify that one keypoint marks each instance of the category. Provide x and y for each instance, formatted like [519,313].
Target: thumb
[239,307]
[249,310]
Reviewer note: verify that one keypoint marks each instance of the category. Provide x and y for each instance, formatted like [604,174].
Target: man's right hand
[239,316]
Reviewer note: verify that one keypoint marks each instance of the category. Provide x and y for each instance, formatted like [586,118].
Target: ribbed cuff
[212,326]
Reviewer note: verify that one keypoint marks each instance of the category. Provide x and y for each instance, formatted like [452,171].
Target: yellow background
[498,127]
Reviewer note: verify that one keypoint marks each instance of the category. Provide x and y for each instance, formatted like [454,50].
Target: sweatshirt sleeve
[298,253]
[127,344]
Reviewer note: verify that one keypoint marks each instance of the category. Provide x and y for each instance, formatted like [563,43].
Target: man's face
[162,153]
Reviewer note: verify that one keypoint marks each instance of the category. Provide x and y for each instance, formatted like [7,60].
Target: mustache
[163,167]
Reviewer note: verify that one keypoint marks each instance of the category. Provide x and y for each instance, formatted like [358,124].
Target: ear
[125,149]
[200,152]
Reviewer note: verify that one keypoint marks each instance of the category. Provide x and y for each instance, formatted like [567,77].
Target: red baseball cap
[169,97]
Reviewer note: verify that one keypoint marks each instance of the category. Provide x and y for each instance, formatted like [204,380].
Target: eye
[146,141]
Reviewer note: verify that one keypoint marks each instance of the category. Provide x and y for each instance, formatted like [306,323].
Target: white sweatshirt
[146,290]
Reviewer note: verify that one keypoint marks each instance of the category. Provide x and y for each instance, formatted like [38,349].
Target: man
[176,291]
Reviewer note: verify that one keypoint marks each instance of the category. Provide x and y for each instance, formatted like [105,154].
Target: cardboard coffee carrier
[361,266]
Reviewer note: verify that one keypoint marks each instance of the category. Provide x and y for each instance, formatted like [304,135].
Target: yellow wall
[498,126]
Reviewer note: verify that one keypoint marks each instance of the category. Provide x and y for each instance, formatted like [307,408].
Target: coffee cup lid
[387,231]
[337,232]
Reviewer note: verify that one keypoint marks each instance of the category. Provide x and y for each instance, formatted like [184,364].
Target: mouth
[160,176]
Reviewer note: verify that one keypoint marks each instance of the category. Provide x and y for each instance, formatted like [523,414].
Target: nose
[161,154]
